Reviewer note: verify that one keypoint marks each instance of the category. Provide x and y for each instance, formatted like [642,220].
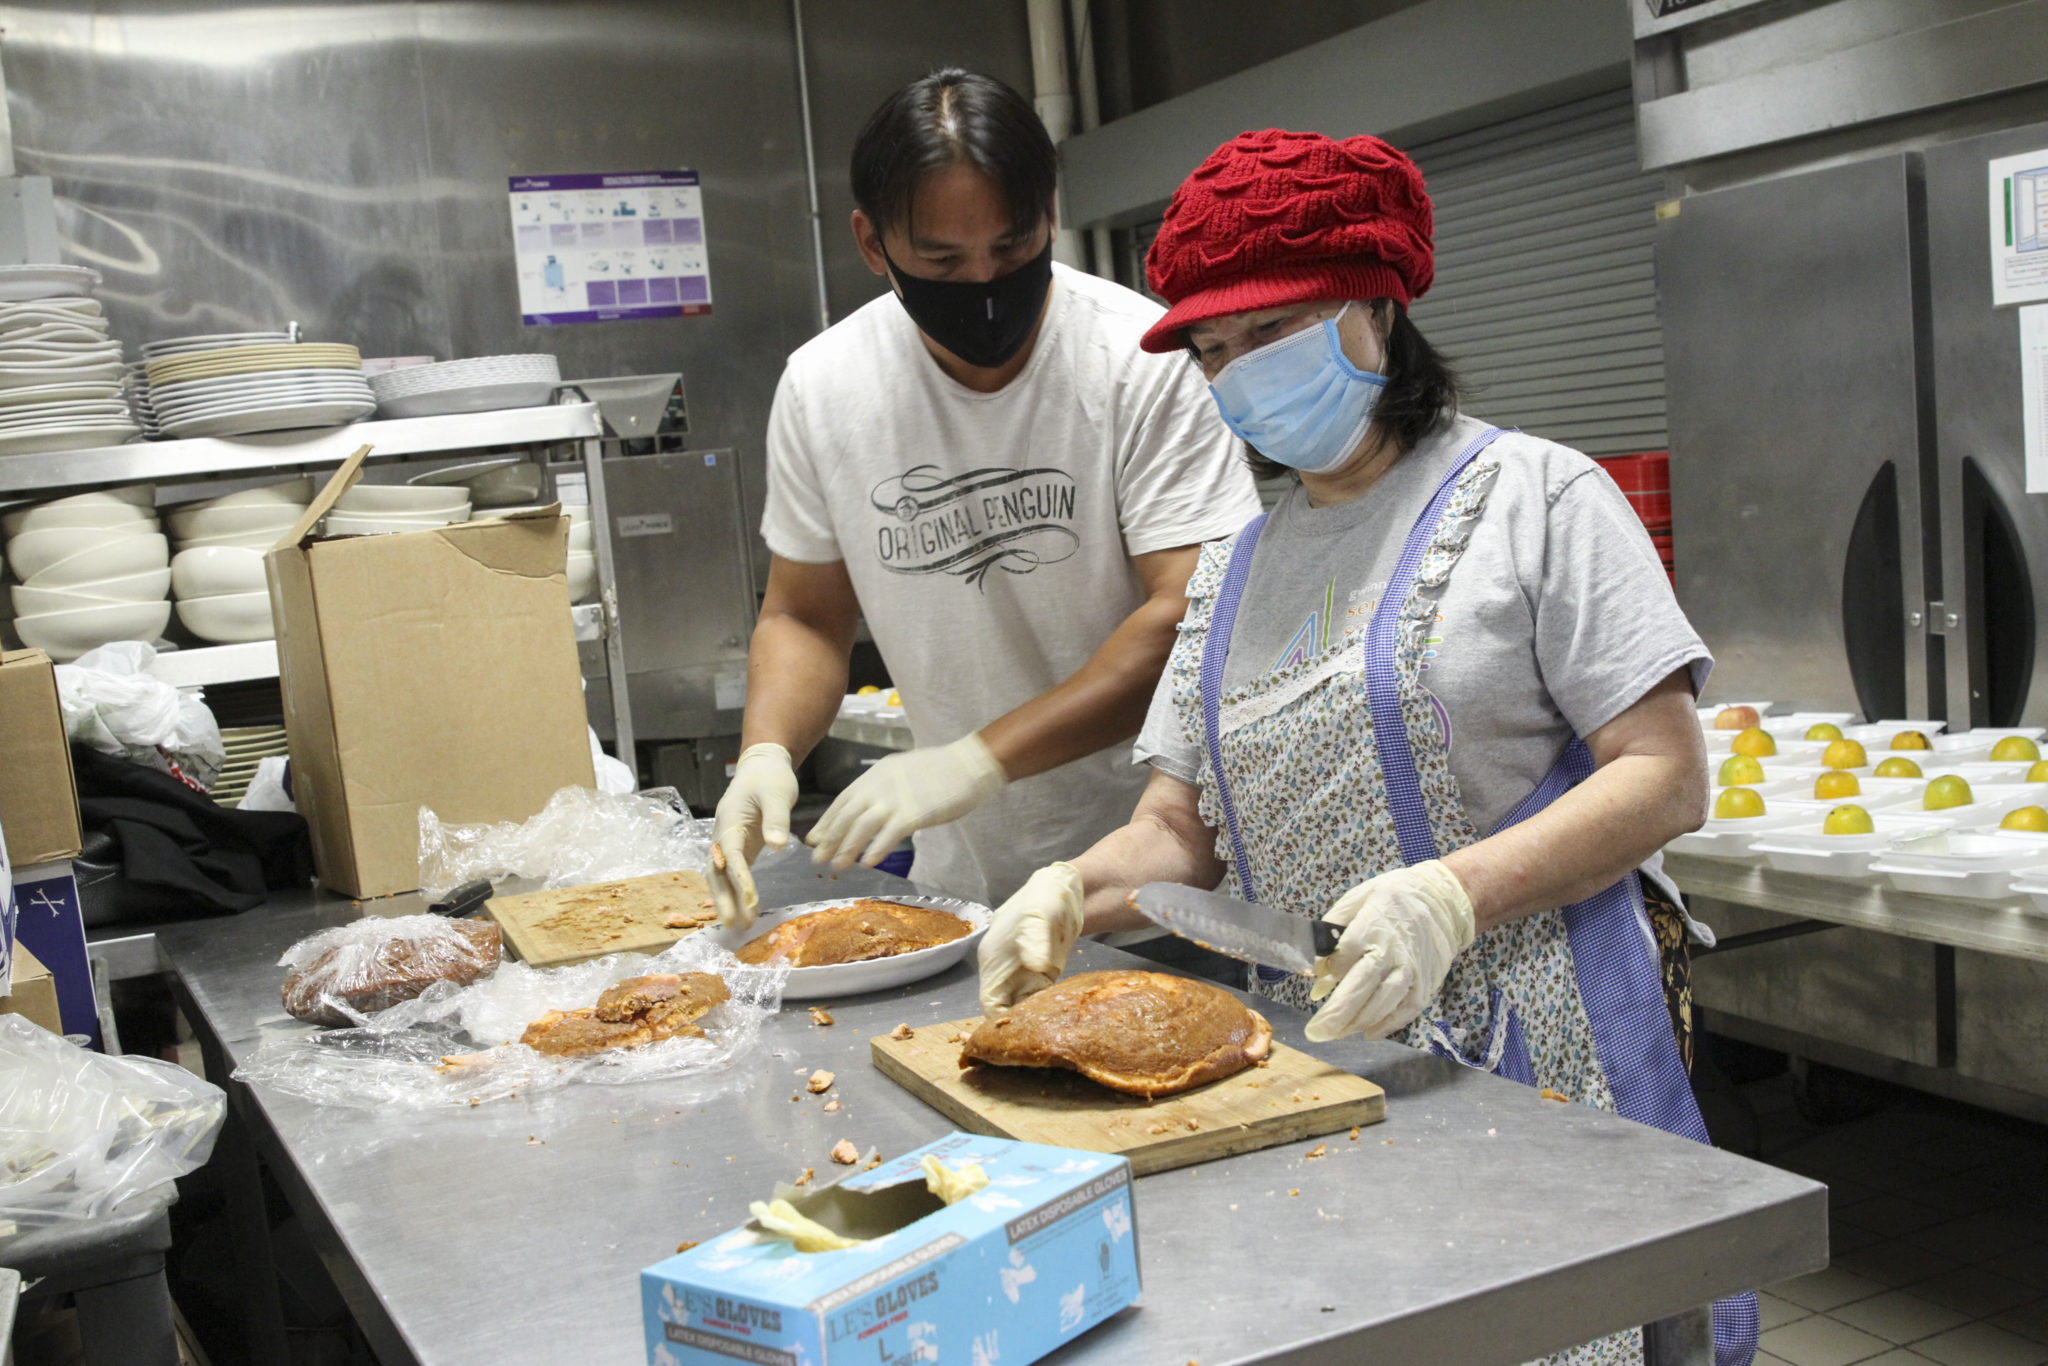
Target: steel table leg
[1682,1340]
[248,1216]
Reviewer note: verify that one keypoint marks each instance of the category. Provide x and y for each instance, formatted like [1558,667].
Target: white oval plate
[64,439]
[272,420]
[45,282]
[875,974]
[56,393]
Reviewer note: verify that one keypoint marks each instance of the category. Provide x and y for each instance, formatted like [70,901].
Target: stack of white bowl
[217,575]
[479,384]
[92,568]
[375,509]
[582,547]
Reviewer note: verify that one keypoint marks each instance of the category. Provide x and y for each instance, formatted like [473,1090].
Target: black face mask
[984,322]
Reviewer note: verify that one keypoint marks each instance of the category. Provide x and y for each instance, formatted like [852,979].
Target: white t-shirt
[989,536]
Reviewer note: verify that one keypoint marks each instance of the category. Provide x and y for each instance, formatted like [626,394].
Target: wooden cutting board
[1294,1096]
[572,924]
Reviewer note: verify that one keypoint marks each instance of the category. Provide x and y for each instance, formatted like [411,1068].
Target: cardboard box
[1047,1251]
[50,924]
[432,668]
[35,993]
[38,794]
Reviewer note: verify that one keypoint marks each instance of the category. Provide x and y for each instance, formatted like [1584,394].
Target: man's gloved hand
[1028,941]
[902,793]
[753,813]
[1405,928]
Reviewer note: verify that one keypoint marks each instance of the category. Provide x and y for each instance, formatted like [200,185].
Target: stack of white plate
[477,385]
[264,387]
[375,509]
[93,568]
[247,747]
[60,373]
[217,575]
[139,401]
[582,547]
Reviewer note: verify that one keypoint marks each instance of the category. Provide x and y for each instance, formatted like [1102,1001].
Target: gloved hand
[1405,928]
[902,793]
[1028,941]
[754,812]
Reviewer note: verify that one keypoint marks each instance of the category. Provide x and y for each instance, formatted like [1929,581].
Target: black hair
[1420,398]
[946,118]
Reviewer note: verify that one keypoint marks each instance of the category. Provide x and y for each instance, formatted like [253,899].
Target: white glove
[754,812]
[1405,928]
[1028,941]
[902,793]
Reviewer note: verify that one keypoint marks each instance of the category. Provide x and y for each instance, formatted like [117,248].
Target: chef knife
[1256,934]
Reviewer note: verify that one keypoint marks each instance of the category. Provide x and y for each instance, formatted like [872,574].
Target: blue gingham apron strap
[1383,684]
[1215,651]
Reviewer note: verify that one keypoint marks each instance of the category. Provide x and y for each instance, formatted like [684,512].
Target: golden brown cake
[639,1010]
[1148,1033]
[397,969]
[853,934]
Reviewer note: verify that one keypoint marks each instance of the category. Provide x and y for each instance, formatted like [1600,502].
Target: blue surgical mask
[1299,401]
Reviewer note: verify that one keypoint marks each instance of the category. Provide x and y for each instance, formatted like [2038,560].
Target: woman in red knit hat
[1441,695]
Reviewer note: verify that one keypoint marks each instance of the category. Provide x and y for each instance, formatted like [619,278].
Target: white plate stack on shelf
[378,509]
[91,569]
[479,385]
[582,546]
[140,401]
[60,373]
[239,388]
[217,574]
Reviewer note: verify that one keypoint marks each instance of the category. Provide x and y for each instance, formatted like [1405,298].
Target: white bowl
[64,636]
[518,483]
[255,540]
[228,619]
[583,536]
[190,524]
[45,516]
[31,602]
[459,513]
[382,500]
[295,493]
[135,495]
[34,551]
[582,574]
[341,524]
[117,558]
[148,586]
[209,571]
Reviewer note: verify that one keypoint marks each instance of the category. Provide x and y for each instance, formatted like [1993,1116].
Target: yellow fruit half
[1910,739]
[1826,730]
[1898,768]
[2016,749]
[2026,818]
[1844,754]
[1849,820]
[2038,773]
[894,699]
[1831,786]
[1755,742]
[867,690]
[1739,770]
[1737,803]
[1946,792]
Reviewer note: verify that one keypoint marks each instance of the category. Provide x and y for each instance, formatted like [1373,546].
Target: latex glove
[753,814]
[1405,928]
[1028,941]
[902,793]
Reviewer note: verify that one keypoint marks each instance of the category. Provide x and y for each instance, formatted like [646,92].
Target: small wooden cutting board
[1293,1096]
[572,924]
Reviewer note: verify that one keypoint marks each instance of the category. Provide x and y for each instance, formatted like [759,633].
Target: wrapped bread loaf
[373,964]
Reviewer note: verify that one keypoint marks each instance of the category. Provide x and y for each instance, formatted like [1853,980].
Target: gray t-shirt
[1557,618]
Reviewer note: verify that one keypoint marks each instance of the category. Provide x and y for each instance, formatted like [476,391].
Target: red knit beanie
[1275,218]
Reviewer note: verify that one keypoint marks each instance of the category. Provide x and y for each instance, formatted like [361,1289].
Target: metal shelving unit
[40,476]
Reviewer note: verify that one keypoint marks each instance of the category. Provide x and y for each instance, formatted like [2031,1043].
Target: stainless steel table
[1478,1224]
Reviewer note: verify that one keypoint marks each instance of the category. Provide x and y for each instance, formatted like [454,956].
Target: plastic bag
[399,1057]
[80,1133]
[113,703]
[581,836]
[342,976]
[271,788]
[614,778]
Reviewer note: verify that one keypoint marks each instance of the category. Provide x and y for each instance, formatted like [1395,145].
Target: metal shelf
[141,461]
[209,664]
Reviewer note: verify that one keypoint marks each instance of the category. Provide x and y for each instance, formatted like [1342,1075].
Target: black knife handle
[1327,936]
[470,896]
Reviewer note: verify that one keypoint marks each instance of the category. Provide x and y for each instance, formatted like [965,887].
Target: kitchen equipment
[633,405]
[875,974]
[571,924]
[1292,1097]
[1256,934]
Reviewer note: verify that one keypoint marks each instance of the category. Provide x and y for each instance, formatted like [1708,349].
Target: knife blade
[1240,929]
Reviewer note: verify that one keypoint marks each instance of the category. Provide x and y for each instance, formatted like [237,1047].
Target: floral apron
[1334,769]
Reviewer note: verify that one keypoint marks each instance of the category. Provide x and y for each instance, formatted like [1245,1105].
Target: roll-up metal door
[1545,299]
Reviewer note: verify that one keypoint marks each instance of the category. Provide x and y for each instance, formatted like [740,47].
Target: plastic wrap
[581,836]
[342,976]
[400,1056]
[114,704]
[81,1133]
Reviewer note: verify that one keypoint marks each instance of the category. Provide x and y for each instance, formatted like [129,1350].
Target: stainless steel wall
[344,164]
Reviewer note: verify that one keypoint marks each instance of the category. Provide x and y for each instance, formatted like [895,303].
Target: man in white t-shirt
[985,463]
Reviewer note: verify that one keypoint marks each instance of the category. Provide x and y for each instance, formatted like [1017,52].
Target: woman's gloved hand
[902,793]
[1405,928]
[1028,941]
[753,813]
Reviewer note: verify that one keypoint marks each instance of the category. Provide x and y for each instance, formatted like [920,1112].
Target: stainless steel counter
[1478,1224]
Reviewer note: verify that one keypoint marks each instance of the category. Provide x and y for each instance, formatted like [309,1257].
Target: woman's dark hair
[1420,397]
[946,118]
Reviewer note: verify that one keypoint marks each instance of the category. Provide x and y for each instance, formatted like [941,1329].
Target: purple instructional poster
[609,245]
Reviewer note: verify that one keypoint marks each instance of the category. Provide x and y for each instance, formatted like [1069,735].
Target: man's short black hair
[950,117]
